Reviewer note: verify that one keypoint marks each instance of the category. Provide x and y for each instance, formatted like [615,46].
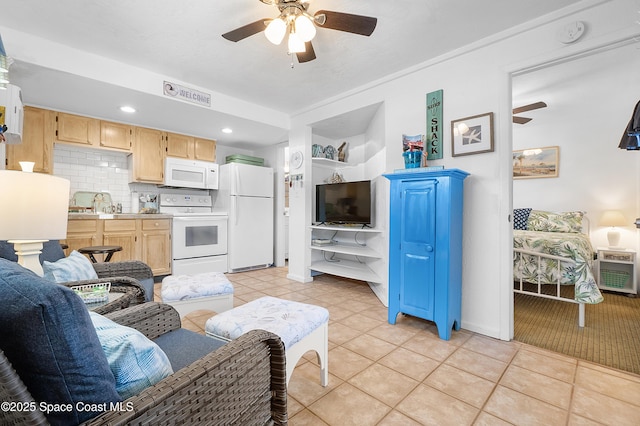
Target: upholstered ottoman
[302,327]
[188,293]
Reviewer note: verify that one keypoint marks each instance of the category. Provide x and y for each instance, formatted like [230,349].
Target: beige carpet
[611,335]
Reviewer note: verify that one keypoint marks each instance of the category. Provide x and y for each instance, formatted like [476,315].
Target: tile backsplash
[98,171]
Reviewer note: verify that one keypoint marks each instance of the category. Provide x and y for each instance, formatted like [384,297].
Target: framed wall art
[536,162]
[472,135]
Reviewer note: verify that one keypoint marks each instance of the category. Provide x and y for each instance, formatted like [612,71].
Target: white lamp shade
[295,44]
[305,28]
[613,218]
[34,206]
[275,31]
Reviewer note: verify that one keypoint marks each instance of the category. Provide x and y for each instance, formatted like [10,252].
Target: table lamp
[34,209]
[613,218]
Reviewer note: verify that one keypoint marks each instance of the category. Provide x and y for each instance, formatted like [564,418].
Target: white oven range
[198,236]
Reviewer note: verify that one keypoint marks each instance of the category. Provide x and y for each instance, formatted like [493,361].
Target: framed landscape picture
[472,135]
[536,162]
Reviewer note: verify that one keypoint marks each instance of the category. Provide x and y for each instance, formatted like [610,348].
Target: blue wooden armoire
[425,246]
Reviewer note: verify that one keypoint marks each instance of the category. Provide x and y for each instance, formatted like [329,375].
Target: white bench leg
[317,341]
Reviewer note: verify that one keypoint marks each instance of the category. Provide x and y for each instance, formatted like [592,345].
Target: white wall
[475,80]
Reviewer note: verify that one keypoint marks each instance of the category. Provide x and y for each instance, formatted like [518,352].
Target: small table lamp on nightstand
[34,209]
[613,218]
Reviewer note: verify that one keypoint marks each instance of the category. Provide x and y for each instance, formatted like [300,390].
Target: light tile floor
[403,374]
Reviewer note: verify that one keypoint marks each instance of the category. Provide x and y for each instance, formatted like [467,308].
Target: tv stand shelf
[349,255]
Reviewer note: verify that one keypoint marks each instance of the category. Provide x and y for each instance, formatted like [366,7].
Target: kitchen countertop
[119,216]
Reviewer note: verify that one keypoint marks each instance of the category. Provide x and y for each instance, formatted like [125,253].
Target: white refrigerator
[245,192]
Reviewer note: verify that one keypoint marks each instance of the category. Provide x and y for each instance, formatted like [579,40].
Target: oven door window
[201,235]
[198,237]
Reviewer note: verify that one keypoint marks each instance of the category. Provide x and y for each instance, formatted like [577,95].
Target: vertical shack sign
[186,94]
[434,125]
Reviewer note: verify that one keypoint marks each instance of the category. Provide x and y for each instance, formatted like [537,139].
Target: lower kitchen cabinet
[123,233]
[83,233]
[156,245]
[147,240]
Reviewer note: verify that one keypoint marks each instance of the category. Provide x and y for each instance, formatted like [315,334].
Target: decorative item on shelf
[317,150]
[412,147]
[613,219]
[330,152]
[342,151]
[335,178]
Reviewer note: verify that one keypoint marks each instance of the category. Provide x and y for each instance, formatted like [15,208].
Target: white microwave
[181,173]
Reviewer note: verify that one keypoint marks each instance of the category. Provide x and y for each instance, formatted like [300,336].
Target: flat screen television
[344,203]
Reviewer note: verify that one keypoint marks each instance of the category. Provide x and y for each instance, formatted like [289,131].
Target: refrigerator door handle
[237,180]
[234,209]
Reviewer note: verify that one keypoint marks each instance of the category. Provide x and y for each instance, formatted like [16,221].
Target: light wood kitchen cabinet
[180,146]
[83,233]
[116,136]
[37,141]
[146,163]
[183,146]
[147,240]
[77,129]
[156,245]
[123,233]
[204,149]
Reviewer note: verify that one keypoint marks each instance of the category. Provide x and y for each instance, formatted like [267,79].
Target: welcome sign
[433,145]
[186,94]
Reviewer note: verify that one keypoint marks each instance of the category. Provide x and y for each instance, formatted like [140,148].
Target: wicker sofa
[51,353]
[241,383]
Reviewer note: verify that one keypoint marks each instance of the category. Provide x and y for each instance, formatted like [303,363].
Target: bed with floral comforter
[556,234]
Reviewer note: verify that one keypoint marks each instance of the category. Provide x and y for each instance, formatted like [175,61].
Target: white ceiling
[182,40]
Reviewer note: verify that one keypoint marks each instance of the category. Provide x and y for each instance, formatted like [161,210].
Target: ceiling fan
[525,108]
[295,21]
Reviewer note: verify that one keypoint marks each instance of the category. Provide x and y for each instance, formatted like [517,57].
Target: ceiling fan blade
[356,24]
[245,31]
[521,120]
[529,107]
[308,55]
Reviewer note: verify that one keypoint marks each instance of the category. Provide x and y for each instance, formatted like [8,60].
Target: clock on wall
[296,159]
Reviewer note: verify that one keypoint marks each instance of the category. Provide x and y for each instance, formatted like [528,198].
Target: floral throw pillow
[545,221]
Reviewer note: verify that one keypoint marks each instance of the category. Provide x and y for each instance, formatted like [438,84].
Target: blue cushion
[520,218]
[174,342]
[76,267]
[136,362]
[47,335]
[51,251]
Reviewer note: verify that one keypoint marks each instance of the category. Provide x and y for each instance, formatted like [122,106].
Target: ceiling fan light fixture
[275,31]
[296,45]
[305,28]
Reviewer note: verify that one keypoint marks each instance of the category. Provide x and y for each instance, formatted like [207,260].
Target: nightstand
[617,270]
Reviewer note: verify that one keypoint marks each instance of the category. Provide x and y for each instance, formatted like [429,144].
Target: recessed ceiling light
[127,109]
[227,130]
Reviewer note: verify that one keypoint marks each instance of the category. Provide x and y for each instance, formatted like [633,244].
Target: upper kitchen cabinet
[204,149]
[180,146]
[117,136]
[77,129]
[191,148]
[146,163]
[37,141]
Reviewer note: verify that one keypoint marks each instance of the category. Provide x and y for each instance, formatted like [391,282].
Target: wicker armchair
[240,383]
